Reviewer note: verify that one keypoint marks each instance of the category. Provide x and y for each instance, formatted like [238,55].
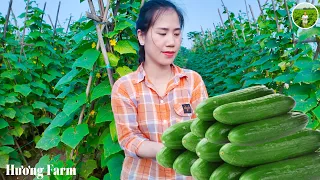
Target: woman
[304,19]
[157,95]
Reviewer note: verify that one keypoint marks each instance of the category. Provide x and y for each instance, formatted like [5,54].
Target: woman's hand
[149,149]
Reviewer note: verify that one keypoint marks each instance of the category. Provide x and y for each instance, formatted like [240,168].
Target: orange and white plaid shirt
[141,114]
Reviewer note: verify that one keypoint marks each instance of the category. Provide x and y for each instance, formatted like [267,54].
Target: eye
[178,34]
[162,34]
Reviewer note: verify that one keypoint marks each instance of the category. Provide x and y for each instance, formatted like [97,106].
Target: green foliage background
[43,84]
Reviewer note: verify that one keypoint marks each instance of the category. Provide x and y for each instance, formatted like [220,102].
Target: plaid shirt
[141,114]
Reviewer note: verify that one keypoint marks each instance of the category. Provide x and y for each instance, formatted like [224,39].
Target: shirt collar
[140,72]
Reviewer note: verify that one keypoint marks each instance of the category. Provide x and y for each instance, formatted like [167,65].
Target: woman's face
[163,40]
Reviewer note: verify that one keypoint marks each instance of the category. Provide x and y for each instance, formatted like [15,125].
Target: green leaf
[45,60]
[42,120]
[115,166]
[5,150]
[39,105]
[261,61]
[6,140]
[48,141]
[3,101]
[27,154]
[111,34]
[285,78]
[10,56]
[93,178]
[48,78]
[87,168]
[104,114]
[11,99]
[52,109]
[3,123]
[124,70]
[123,25]
[316,112]
[304,63]
[305,106]
[72,136]
[87,60]
[124,47]
[9,74]
[24,89]
[73,103]
[102,89]
[113,59]
[307,76]
[43,163]
[79,37]
[17,131]
[305,34]
[110,147]
[25,118]
[9,112]
[39,84]
[59,120]
[257,81]
[113,131]
[68,77]
[4,161]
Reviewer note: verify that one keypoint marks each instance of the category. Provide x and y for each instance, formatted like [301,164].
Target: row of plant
[262,52]
[46,116]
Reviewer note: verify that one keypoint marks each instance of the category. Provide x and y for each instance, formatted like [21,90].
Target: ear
[141,37]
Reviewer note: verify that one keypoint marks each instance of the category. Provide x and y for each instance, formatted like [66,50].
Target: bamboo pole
[100,2]
[7,20]
[275,15]
[44,8]
[231,24]
[290,21]
[68,24]
[245,2]
[254,19]
[16,24]
[221,19]
[242,29]
[57,16]
[24,31]
[50,21]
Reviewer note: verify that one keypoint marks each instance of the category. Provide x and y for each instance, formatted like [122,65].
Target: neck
[156,71]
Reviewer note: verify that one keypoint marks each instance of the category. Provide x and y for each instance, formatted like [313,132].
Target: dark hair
[146,18]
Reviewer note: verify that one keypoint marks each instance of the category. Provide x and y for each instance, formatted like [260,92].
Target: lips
[168,53]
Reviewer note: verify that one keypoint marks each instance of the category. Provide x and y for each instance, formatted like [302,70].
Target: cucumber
[199,127]
[227,172]
[183,163]
[268,129]
[205,108]
[218,133]
[202,169]
[253,110]
[172,137]
[208,151]
[166,156]
[301,168]
[190,141]
[298,144]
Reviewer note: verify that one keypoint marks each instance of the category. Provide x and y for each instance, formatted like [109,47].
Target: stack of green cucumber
[248,134]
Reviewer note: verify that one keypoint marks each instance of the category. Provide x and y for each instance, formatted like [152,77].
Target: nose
[171,40]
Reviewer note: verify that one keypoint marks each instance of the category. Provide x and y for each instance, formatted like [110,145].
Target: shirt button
[161,101]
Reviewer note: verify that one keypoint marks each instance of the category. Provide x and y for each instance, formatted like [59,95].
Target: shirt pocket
[182,108]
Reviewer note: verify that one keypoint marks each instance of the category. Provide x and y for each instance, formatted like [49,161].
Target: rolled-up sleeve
[199,93]
[125,115]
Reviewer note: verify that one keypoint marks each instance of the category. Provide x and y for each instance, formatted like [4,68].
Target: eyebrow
[168,29]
